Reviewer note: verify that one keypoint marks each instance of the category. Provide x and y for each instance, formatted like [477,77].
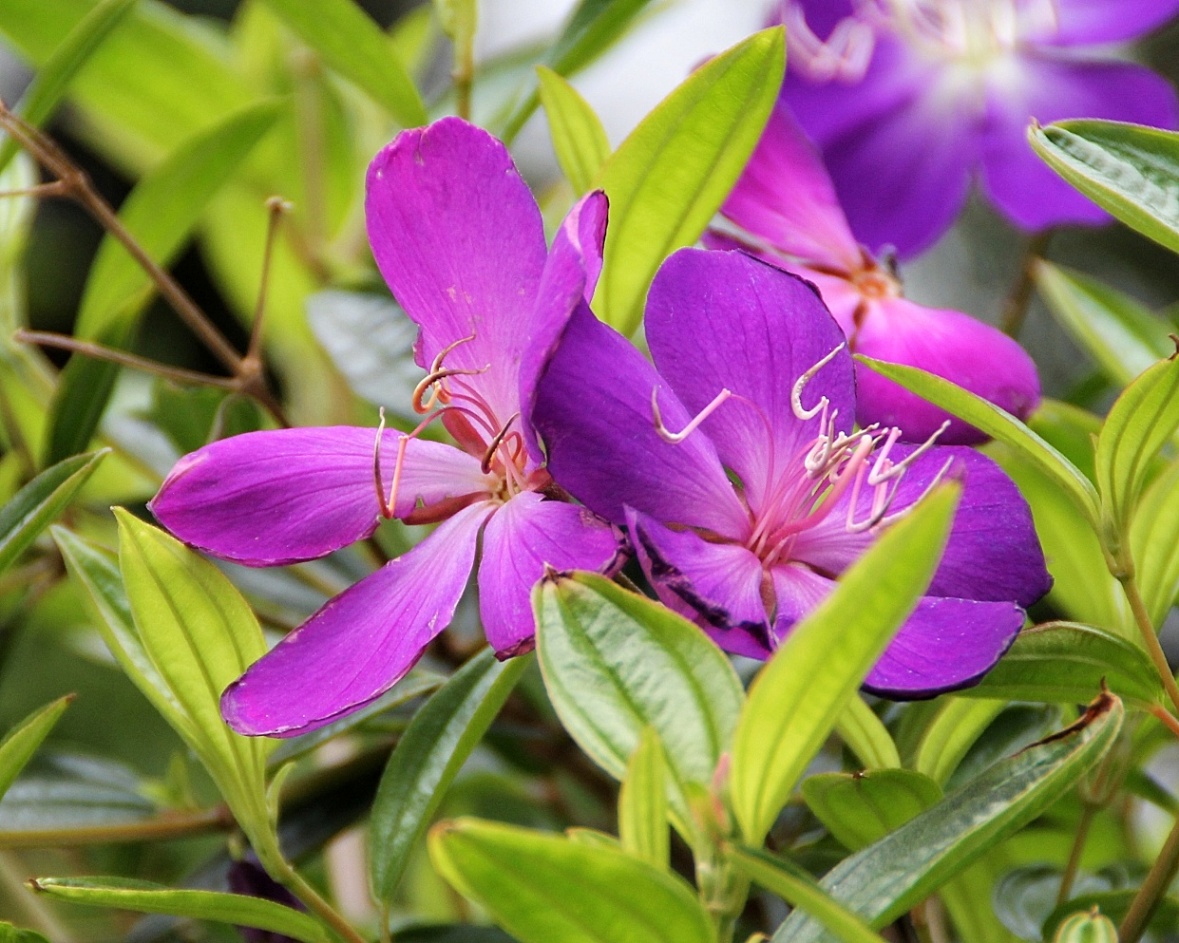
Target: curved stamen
[495,443]
[377,465]
[844,55]
[800,385]
[430,382]
[676,437]
[882,517]
[884,469]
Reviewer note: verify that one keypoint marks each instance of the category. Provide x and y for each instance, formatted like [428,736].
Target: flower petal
[1097,22]
[724,320]
[459,238]
[593,409]
[361,642]
[1048,89]
[716,585]
[949,344]
[282,496]
[524,536]
[945,645]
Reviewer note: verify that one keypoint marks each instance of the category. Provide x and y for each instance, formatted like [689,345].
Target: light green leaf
[1065,663]
[20,743]
[437,742]
[36,504]
[861,808]
[952,733]
[1120,333]
[11,934]
[147,897]
[996,423]
[642,802]
[799,890]
[579,140]
[352,44]
[1130,170]
[542,887]
[615,663]
[669,177]
[1154,544]
[866,736]
[889,877]
[458,19]
[796,699]
[53,79]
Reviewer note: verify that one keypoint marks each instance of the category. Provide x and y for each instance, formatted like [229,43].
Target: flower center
[874,283]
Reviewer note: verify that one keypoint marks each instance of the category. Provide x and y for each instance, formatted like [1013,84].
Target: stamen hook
[495,443]
[676,437]
[802,381]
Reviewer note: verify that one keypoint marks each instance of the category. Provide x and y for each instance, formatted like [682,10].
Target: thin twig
[1016,307]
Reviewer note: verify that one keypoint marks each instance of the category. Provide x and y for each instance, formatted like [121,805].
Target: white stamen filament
[676,437]
[800,385]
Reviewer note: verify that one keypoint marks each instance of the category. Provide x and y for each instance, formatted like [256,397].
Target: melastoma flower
[460,241]
[791,217]
[910,100]
[734,463]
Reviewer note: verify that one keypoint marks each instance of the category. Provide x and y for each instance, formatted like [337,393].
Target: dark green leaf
[861,808]
[11,934]
[20,743]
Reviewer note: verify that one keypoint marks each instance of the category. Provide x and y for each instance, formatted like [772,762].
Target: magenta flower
[791,217]
[910,100]
[746,490]
[460,241]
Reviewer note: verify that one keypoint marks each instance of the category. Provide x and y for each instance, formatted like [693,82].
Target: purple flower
[460,241]
[909,100]
[791,217]
[247,877]
[745,488]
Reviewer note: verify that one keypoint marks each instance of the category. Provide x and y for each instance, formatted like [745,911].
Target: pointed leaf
[861,808]
[951,734]
[669,177]
[1154,543]
[579,140]
[642,802]
[147,897]
[889,877]
[795,700]
[542,887]
[866,736]
[437,742]
[19,745]
[36,504]
[11,934]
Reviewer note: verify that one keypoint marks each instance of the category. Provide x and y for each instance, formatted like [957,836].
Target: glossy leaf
[890,876]
[1119,332]
[797,697]
[542,887]
[352,44]
[669,177]
[40,501]
[579,140]
[1154,544]
[642,802]
[866,736]
[861,808]
[1130,170]
[615,663]
[958,723]
[998,424]
[437,742]
[151,898]
[799,890]
[20,743]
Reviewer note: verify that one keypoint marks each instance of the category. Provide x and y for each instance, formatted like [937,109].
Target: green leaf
[579,140]
[36,504]
[19,745]
[160,213]
[866,736]
[797,698]
[889,877]
[615,663]
[799,890]
[1130,170]
[542,887]
[1065,663]
[951,734]
[1120,333]
[11,934]
[861,808]
[150,898]
[996,423]
[642,802]
[437,742]
[1154,544]
[1139,423]
[53,79]
[672,173]
[352,44]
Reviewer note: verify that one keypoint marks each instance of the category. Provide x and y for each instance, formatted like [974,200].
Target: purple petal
[593,409]
[458,237]
[716,585]
[1096,22]
[786,199]
[277,497]
[723,320]
[951,345]
[899,145]
[946,644]
[1048,89]
[798,590]
[523,536]
[361,642]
